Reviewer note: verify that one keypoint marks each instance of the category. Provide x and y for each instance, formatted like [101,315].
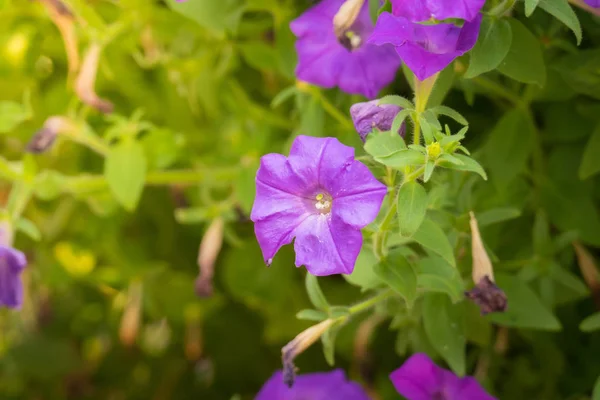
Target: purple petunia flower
[423,10]
[592,3]
[12,263]
[368,116]
[356,67]
[318,386]
[419,378]
[319,195]
[425,49]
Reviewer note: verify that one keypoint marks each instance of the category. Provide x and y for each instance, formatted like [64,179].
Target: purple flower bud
[592,3]
[319,195]
[318,386]
[12,263]
[369,116]
[419,378]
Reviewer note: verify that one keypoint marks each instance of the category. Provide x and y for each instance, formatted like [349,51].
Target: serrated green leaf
[493,44]
[444,325]
[398,274]
[432,237]
[412,206]
[125,171]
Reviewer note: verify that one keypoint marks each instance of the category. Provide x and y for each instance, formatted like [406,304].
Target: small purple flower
[370,115]
[319,195]
[354,66]
[318,386]
[424,10]
[425,49]
[592,3]
[12,263]
[419,378]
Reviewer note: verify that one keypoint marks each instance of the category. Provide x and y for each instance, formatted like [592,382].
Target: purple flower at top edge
[425,49]
[370,115]
[319,195]
[419,378]
[592,3]
[318,386]
[423,10]
[356,67]
[12,262]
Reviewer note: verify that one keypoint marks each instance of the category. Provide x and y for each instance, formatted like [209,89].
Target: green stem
[498,90]
[331,109]
[381,235]
[88,140]
[414,175]
[373,301]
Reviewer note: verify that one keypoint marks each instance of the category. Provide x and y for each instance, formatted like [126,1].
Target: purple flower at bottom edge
[424,10]
[592,3]
[318,386]
[12,262]
[321,196]
[357,67]
[425,49]
[419,378]
[370,115]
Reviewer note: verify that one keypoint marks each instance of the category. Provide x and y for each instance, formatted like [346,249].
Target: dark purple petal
[12,263]
[325,245]
[425,49]
[318,386]
[423,10]
[593,3]
[369,115]
[418,378]
[324,61]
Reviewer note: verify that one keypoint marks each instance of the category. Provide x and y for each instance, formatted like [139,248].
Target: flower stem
[423,90]
[331,109]
[381,235]
[373,301]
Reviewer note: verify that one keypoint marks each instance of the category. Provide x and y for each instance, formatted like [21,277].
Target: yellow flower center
[323,203]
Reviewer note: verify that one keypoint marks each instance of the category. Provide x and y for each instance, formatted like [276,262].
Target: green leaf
[403,158]
[125,171]
[493,44]
[591,323]
[579,70]
[312,315]
[398,274]
[29,228]
[530,6]
[11,115]
[412,206]
[444,326]
[596,392]
[328,340]
[282,96]
[468,164]
[384,144]
[589,163]
[511,139]
[315,294]
[259,55]
[442,86]
[434,274]
[215,16]
[524,61]
[397,101]
[432,237]
[449,112]
[364,275]
[562,11]
[525,309]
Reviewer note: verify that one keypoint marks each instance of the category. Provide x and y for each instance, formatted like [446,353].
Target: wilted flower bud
[300,343]
[370,115]
[130,322]
[63,18]
[346,16]
[44,138]
[488,296]
[209,251]
[86,81]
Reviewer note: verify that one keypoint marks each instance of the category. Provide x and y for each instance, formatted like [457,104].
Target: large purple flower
[319,386]
[419,378]
[423,10]
[321,196]
[370,115]
[351,64]
[592,3]
[425,49]
[12,263]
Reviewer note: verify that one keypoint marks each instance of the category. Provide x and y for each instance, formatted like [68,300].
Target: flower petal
[467,388]
[418,378]
[278,230]
[325,245]
[12,263]
[423,10]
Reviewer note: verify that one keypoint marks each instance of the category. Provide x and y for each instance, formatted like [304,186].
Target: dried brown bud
[44,138]
[589,270]
[207,256]
[482,266]
[86,81]
[300,343]
[489,297]
[130,321]
[63,18]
